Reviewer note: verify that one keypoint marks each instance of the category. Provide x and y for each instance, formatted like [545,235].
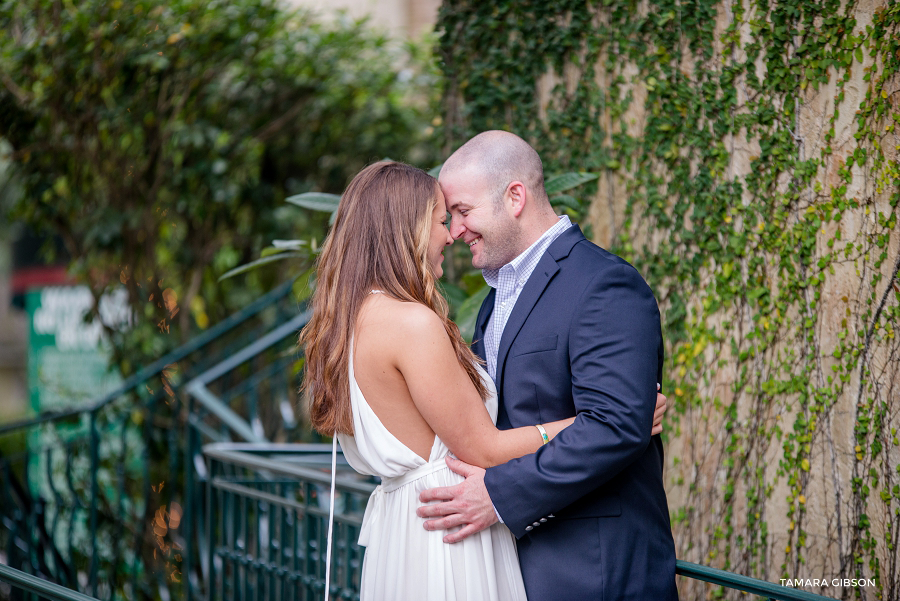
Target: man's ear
[517,194]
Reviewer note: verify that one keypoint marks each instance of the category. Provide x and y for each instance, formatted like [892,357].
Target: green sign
[68,358]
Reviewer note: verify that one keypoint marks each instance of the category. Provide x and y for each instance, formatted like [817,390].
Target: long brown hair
[379,240]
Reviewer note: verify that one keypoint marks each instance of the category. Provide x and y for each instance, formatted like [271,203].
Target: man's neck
[539,228]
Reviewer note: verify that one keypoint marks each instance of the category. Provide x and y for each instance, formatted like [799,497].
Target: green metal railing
[30,587]
[733,581]
[243,398]
[267,508]
[267,519]
[80,501]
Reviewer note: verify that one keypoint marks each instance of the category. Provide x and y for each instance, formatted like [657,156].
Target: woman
[390,375]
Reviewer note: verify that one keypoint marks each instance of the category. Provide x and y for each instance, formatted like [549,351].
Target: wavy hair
[379,240]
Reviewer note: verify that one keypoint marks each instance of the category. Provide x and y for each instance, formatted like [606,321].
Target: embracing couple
[555,491]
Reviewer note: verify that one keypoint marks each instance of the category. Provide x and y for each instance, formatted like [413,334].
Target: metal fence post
[95,466]
[189,501]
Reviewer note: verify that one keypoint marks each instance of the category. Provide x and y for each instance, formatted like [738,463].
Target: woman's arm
[447,400]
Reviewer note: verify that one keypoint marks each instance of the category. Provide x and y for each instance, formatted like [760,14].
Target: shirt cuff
[494,507]
[497,513]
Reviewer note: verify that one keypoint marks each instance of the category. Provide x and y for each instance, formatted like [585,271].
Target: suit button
[536,524]
[550,515]
[543,520]
[529,528]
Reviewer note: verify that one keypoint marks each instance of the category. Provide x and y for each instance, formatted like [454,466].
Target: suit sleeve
[615,350]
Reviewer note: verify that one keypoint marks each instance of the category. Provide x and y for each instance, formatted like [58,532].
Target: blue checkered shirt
[509,281]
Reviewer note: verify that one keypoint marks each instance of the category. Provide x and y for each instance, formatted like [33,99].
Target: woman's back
[390,437]
[378,338]
[403,560]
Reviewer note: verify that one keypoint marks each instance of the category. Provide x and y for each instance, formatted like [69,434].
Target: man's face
[489,230]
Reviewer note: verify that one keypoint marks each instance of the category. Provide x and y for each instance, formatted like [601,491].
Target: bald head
[494,191]
[496,158]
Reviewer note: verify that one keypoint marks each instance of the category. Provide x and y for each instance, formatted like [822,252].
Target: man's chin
[480,261]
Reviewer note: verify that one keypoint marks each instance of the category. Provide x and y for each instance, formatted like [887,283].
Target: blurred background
[167,175]
[346,82]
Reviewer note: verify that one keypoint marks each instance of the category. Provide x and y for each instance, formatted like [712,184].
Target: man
[568,329]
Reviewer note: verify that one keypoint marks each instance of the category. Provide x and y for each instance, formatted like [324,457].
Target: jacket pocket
[535,345]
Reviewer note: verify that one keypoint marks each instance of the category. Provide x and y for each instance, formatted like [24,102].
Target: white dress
[403,561]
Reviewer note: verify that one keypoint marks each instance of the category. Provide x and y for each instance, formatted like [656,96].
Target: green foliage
[159,139]
[316,201]
[766,224]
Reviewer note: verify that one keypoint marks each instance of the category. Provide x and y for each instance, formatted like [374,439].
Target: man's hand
[661,406]
[467,504]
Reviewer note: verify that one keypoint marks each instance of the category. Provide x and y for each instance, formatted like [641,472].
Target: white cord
[330,517]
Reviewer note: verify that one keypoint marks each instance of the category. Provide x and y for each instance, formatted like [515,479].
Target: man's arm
[615,354]
[468,504]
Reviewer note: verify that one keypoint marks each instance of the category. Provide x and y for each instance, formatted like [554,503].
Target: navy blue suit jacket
[584,340]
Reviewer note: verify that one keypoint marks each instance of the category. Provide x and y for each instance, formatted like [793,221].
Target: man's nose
[456,229]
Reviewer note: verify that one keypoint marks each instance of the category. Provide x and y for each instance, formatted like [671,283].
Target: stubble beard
[500,245]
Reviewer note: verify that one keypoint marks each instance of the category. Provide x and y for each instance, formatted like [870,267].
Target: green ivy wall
[748,162]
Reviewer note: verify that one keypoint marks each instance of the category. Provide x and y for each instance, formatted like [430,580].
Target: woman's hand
[661,406]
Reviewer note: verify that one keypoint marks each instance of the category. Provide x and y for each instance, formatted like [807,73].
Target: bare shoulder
[393,321]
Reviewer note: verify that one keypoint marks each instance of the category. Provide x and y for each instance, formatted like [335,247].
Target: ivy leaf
[757,292]
[316,201]
[567,181]
[566,201]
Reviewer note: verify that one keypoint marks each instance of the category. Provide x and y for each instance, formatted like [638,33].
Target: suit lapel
[484,313]
[529,296]
[540,278]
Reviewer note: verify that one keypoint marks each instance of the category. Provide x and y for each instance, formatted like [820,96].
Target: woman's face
[440,236]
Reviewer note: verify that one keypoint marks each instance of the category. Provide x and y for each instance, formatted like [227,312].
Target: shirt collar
[492,276]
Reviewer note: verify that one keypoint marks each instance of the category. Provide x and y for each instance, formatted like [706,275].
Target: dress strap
[330,518]
[376,291]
